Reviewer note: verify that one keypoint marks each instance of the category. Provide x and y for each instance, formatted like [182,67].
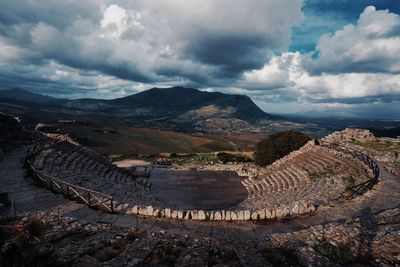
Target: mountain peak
[179,100]
[20,94]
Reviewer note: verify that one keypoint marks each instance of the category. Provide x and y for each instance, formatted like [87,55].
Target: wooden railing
[89,197]
[361,188]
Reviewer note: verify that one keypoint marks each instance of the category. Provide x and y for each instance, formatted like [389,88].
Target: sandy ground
[127,163]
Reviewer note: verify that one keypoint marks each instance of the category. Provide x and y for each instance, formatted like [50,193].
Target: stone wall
[298,208]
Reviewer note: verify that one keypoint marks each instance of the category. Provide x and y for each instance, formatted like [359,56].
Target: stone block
[156,213]
[254,215]
[261,214]
[174,214]
[167,213]
[228,215]
[217,216]
[162,213]
[295,209]
[268,214]
[240,215]
[135,209]
[246,215]
[201,215]
[150,210]
[187,215]
[193,215]
[302,208]
[180,215]
[234,216]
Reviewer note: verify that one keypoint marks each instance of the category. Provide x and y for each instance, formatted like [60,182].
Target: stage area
[207,190]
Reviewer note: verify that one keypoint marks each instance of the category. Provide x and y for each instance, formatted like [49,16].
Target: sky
[311,57]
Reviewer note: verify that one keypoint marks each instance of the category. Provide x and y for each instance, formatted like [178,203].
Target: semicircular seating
[313,174]
[79,166]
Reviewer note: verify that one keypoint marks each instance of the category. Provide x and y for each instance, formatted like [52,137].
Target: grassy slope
[112,139]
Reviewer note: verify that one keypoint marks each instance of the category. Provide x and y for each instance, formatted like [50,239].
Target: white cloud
[372,45]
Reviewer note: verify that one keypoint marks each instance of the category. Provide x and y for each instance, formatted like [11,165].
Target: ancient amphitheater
[320,173]
[311,208]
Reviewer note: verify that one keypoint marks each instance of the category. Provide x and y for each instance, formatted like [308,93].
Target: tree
[278,145]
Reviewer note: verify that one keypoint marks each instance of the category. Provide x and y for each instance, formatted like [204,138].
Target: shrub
[278,145]
[338,254]
[227,157]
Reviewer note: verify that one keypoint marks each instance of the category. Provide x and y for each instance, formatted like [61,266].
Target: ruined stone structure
[297,184]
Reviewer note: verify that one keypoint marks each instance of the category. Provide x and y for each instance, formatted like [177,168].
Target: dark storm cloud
[233,54]
[204,42]
[110,48]
[57,13]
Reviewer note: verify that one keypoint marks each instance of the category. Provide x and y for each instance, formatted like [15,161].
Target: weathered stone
[312,208]
[217,216]
[149,210]
[228,215]
[302,208]
[268,214]
[162,213]
[201,215]
[174,214]
[261,214]
[156,213]
[246,215]
[193,214]
[167,213]
[234,216]
[254,215]
[180,214]
[295,209]
[240,215]
[135,209]
[187,215]
[285,212]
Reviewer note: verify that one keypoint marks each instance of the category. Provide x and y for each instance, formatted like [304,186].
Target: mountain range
[175,107]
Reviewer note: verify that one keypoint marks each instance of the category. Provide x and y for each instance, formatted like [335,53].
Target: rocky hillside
[177,108]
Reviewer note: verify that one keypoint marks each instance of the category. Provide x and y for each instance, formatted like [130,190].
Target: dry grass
[380,145]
